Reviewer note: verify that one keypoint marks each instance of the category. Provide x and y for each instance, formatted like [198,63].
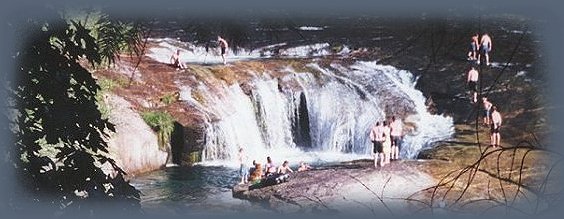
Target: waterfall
[314,116]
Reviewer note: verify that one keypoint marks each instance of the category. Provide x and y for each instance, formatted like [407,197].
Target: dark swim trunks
[485,48]
[222,50]
[494,130]
[473,47]
[378,148]
[486,113]
[396,141]
[473,86]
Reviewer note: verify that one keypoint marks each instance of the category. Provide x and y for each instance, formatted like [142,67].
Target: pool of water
[191,190]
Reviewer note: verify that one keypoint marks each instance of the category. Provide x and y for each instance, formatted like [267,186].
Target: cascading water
[341,103]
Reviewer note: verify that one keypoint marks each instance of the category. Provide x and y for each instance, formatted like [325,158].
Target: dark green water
[190,190]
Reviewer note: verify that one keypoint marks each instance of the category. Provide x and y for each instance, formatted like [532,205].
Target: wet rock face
[134,145]
[345,187]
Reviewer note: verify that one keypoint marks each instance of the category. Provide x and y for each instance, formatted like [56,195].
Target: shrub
[162,123]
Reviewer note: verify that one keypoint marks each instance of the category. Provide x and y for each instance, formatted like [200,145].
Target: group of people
[386,140]
[257,173]
[222,43]
[479,48]
[492,118]
[491,115]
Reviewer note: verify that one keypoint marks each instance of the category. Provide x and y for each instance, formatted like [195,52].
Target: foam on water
[341,108]
[190,53]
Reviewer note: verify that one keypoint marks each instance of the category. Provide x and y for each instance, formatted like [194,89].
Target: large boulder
[134,145]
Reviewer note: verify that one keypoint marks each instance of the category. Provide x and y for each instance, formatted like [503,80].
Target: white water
[343,103]
[341,111]
[190,53]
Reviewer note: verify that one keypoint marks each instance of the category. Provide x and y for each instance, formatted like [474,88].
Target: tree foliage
[55,109]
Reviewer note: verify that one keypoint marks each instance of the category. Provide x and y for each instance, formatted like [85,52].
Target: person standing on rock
[223,47]
[472,53]
[387,143]
[487,109]
[376,137]
[472,82]
[496,124]
[396,134]
[485,48]
[243,169]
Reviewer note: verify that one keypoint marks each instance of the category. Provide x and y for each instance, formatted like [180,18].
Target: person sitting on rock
[256,173]
[284,168]
[175,60]
[270,167]
[303,167]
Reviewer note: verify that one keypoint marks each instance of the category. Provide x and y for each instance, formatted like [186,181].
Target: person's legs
[497,137]
[393,156]
[246,175]
[241,173]
[375,159]
[381,161]
[492,136]
[487,59]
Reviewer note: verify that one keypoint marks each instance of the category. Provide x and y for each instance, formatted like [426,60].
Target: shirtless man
[496,123]
[396,133]
[175,60]
[376,137]
[473,47]
[485,48]
[284,168]
[223,46]
[303,167]
[472,82]
[487,109]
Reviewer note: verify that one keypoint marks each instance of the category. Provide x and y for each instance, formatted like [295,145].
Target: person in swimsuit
[243,169]
[485,48]
[223,46]
[284,168]
[487,109]
[496,124]
[376,138]
[270,167]
[303,167]
[175,60]
[396,133]
[473,83]
[473,51]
